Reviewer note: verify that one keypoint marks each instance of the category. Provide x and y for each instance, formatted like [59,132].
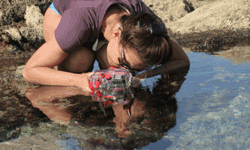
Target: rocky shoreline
[21,30]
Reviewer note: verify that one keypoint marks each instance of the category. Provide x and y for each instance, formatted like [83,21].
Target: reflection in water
[16,111]
[144,120]
[50,100]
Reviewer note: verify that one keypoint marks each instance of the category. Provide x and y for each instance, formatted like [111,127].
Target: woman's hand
[84,82]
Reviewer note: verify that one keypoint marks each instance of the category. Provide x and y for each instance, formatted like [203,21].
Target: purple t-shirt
[81,20]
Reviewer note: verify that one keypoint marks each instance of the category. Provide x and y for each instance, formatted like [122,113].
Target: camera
[112,86]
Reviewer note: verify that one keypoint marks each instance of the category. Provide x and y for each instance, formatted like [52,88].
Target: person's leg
[81,60]
[50,23]
[101,57]
[78,61]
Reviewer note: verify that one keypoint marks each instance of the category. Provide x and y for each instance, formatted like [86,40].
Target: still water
[207,109]
[213,107]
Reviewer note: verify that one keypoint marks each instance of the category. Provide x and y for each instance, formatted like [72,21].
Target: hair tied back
[157,29]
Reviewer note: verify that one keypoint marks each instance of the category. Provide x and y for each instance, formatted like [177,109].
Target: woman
[133,40]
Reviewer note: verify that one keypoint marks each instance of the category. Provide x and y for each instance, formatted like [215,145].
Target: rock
[198,3]
[32,35]
[19,80]
[215,15]
[168,11]
[12,68]
[33,16]
[3,135]
[14,10]
[1,16]
[188,6]
[19,73]
[239,54]
[6,38]
[12,13]
[34,19]
[24,15]
[14,49]
[14,34]
[20,84]
[14,134]
[34,32]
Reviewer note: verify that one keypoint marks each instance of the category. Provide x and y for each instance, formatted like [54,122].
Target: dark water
[206,109]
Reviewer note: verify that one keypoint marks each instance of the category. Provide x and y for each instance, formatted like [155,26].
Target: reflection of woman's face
[121,117]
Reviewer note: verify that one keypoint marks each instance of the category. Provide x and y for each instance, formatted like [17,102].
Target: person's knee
[101,57]
[79,61]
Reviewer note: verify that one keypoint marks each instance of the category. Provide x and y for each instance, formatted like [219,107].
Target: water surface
[213,106]
[212,112]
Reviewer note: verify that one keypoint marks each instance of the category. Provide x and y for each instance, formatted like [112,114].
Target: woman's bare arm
[178,60]
[39,68]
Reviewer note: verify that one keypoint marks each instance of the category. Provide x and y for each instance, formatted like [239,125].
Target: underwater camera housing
[112,86]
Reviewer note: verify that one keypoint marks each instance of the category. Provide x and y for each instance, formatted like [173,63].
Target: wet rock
[238,54]
[208,44]
[13,134]
[213,40]
[3,135]
[19,73]
[19,80]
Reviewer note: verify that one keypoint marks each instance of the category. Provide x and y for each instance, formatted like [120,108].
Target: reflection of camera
[112,86]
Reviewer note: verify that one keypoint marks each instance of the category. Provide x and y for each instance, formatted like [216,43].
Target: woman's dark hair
[147,34]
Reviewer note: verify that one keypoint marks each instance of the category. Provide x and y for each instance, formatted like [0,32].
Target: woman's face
[114,51]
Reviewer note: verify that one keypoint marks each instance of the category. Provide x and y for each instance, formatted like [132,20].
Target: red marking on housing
[99,94]
[111,67]
[91,86]
[102,75]
[108,96]
[108,76]
[98,83]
